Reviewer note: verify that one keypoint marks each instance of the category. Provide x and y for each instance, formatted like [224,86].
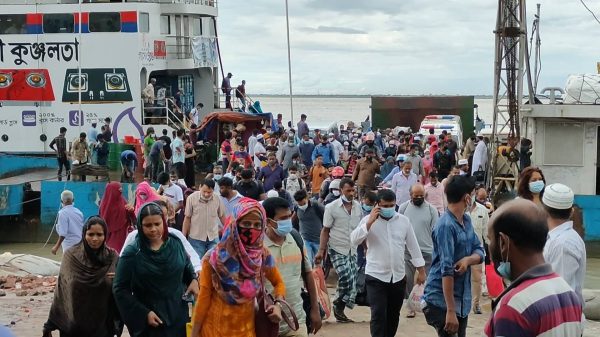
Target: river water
[322,111]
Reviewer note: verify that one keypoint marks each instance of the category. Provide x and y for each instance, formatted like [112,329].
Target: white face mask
[303,207]
[293,176]
[336,193]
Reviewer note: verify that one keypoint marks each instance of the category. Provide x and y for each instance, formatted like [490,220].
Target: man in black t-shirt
[249,187]
[167,149]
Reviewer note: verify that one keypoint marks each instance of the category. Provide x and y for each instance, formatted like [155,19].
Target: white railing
[236,103]
[160,113]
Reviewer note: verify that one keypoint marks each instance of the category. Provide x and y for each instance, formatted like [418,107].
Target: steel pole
[287,21]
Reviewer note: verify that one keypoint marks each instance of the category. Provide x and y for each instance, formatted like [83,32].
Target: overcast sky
[393,46]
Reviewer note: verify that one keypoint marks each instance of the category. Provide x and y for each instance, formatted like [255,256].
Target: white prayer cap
[462,162]
[272,194]
[558,196]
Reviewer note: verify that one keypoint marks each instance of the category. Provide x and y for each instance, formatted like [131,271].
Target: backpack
[301,183]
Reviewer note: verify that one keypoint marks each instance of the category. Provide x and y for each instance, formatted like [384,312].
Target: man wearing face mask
[369,144]
[423,217]
[387,233]
[538,301]
[434,193]
[416,160]
[365,172]
[306,149]
[290,257]
[402,182]
[309,222]
[326,150]
[334,192]
[170,190]
[288,150]
[340,219]
[249,187]
[480,218]
[271,173]
[202,211]
[456,248]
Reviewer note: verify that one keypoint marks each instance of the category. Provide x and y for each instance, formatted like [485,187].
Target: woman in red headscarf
[117,214]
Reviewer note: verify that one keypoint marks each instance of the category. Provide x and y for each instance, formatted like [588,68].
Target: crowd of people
[406,209]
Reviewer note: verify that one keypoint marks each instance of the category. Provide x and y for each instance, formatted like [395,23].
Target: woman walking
[83,303]
[144,193]
[151,278]
[232,276]
[117,214]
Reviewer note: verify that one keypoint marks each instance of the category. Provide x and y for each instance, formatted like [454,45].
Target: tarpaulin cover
[582,89]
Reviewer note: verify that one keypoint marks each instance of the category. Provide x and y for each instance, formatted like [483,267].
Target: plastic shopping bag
[319,277]
[414,299]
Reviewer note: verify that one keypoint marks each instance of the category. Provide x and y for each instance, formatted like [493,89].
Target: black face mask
[369,158]
[418,201]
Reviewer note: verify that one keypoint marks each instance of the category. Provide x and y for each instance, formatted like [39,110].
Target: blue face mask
[387,212]
[367,208]
[536,186]
[284,227]
[503,269]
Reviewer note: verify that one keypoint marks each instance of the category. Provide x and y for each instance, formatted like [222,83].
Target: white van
[449,123]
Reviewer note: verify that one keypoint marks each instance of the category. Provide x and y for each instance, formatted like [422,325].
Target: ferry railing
[236,103]
[160,113]
[179,47]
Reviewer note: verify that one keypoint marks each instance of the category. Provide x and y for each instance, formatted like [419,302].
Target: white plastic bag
[414,299]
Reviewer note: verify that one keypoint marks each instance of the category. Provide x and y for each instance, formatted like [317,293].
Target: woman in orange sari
[231,277]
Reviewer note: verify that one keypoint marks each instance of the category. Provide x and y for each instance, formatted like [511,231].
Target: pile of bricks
[27,286]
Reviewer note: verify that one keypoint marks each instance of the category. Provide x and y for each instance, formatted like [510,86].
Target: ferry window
[144,22]
[13,24]
[105,22]
[566,150]
[58,23]
[165,24]
[196,26]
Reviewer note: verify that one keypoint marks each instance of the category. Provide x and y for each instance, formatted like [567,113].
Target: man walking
[480,156]
[479,217]
[364,173]
[326,151]
[455,248]
[306,149]
[80,152]
[387,233]
[309,221]
[340,219]
[402,181]
[194,115]
[69,225]
[271,173]
[296,271]
[62,155]
[564,250]
[288,150]
[434,193]
[416,160]
[302,126]
[422,217]
[203,210]
[226,89]
[538,301]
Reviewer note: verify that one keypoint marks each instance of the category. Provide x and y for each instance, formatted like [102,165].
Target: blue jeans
[311,250]
[202,246]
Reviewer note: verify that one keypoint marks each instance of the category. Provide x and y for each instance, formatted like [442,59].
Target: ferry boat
[75,62]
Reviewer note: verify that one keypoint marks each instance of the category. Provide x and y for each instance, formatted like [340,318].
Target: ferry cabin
[64,63]
[566,146]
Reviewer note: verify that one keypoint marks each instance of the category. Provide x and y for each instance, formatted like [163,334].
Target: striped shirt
[538,303]
[61,146]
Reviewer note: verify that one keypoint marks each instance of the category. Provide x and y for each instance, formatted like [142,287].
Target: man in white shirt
[178,153]
[565,249]
[402,181]
[479,218]
[260,153]
[388,234]
[252,142]
[340,219]
[69,225]
[422,217]
[480,156]
[194,115]
[173,193]
[338,148]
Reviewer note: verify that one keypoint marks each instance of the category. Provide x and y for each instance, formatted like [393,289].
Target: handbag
[263,326]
